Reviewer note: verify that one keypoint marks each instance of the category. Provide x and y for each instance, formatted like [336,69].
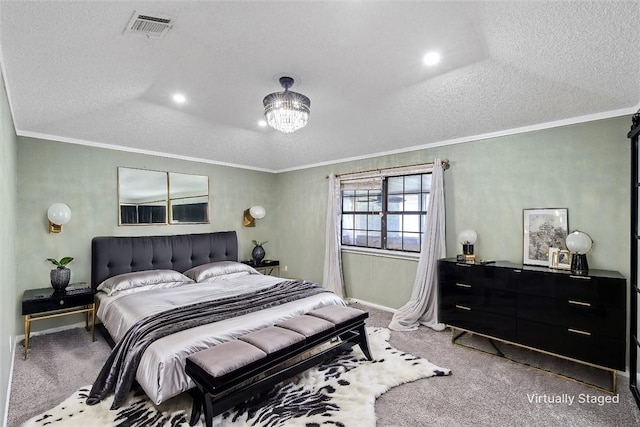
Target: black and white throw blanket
[120,368]
[340,392]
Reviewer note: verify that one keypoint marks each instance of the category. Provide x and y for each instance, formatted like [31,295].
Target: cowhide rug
[339,393]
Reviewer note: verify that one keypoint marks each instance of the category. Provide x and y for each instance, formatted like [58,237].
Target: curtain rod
[445,166]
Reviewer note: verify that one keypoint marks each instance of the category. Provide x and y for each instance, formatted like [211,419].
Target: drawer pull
[462,307]
[577,331]
[61,302]
[517,271]
[573,276]
[584,304]
[463,285]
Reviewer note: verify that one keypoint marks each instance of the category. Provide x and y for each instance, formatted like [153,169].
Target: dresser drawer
[593,317]
[477,298]
[600,289]
[486,276]
[454,272]
[598,349]
[482,322]
[604,290]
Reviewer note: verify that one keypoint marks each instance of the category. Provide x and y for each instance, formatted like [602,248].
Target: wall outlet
[285,268]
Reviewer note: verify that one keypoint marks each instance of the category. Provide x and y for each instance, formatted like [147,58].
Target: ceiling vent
[153,26]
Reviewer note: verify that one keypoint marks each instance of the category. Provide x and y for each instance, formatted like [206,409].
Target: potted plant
[61,275]
[257,254]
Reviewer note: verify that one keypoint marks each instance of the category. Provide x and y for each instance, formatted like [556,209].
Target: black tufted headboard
[111,256]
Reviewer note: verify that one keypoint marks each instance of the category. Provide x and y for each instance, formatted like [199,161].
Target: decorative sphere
[59,213]
[258,212]
[579,242]
[467,237]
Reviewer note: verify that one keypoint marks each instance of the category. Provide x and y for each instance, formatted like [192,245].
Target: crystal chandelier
[286,111]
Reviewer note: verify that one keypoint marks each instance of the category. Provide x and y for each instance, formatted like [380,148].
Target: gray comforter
[120,368]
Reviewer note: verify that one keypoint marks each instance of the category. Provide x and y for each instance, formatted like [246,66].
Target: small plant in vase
[258,253]
[61,275]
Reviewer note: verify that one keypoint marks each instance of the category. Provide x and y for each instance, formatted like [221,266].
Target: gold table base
[614,385]
[89,309]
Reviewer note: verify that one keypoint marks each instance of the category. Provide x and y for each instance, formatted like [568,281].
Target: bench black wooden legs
[196,408]
[363,343]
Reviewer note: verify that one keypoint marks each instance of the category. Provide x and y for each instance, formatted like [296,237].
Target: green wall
[583,167]
[85,178]
[8,289]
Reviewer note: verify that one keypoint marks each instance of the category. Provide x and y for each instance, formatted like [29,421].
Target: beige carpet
[483,390]
[341,391]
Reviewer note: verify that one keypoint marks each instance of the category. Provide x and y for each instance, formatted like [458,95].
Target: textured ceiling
[73,75]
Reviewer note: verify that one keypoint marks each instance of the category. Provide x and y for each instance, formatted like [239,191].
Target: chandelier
[286,111]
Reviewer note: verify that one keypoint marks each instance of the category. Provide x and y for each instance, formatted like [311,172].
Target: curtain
[422,308]
[332,275]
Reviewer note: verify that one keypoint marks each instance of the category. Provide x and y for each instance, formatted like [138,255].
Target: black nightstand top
[47,299]
[264,263]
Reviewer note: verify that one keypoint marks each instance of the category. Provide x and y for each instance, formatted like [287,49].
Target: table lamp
[467,239]
[579,243]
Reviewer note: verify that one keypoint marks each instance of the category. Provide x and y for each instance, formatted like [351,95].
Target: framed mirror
[147,197]
[142,196]
[188,198]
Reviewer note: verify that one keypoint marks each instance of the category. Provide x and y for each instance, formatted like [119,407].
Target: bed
[161,370]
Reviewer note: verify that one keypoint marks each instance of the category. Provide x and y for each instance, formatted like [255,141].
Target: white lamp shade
[59,213]
[467,237]
[579,242]
[258,212]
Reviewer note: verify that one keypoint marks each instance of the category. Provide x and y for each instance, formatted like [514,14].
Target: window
[387,213]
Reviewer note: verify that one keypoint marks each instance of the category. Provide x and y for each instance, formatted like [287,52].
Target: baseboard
[10,380]
[18,338]
[372,305]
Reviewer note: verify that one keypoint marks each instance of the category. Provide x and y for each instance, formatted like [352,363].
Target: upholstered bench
[236,370]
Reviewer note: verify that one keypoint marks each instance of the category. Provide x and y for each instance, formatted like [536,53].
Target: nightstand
[270,267]
[46,303]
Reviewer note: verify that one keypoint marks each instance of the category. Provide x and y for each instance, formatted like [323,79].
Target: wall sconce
[467,239]
[58,215]
[253,213]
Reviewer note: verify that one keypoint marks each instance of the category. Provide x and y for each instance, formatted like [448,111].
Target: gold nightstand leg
[93,321]
[27,331]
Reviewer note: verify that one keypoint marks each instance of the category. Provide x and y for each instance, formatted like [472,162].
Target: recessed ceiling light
[179,98]
[262,123]
[431,58]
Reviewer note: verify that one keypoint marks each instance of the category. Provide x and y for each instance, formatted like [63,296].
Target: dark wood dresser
[578,317]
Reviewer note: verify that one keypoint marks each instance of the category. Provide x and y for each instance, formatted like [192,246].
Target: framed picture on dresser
[543,229]
[564,259]
[559,259]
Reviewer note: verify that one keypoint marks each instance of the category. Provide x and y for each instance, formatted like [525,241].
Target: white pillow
[221,270]
[143,280]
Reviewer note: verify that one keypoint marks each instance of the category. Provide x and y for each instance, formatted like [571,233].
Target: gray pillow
[138,281]
[221,270]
